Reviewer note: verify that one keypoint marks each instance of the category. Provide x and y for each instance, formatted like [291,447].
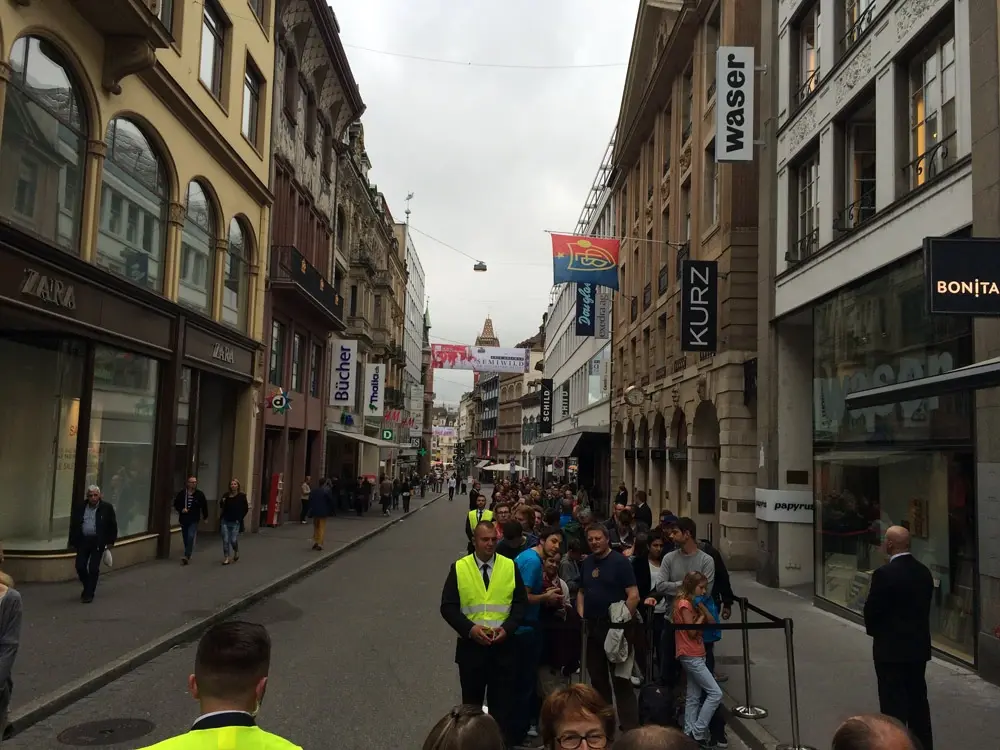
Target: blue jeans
[700,682]
[230,537]
[528,647]
[189,533]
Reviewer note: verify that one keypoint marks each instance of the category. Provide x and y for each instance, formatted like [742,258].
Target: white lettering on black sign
[223,353]
[699,295]
[52,291]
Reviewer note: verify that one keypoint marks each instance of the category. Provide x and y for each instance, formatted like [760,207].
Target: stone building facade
[691,444]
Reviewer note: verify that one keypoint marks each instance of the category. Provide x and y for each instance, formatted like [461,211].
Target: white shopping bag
[107,559]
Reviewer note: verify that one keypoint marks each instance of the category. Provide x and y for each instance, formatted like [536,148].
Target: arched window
[42,152]
[132,223]
[236,282]
[518,389]
[197,270]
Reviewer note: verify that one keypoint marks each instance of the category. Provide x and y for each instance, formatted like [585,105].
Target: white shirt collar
[216,713]
[899,554]
[489,563]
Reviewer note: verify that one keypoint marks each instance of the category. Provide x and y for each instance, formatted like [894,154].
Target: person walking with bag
[10,641]
[233,508]
[93,529]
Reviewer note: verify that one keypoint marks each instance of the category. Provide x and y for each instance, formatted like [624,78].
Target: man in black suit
[485,655]
[473,494]
[897,617]
[192,508]
[643,513]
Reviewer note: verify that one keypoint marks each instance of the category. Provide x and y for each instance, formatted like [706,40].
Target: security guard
[476,516]
[229,681]
[484,601]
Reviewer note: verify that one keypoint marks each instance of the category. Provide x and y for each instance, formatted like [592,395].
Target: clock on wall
[635,396]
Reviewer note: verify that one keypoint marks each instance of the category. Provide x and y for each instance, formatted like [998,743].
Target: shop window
[908,463]
[236,280]
[39,440]
[932,110]
[315,367]
[132,226]
[197,267]
[122,434]
[43,144]
[276,366]
[298,364]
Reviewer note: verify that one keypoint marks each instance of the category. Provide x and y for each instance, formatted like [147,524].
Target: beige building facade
[692,444]
[134,214]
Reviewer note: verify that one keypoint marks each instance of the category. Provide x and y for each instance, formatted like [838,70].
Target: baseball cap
[668,519]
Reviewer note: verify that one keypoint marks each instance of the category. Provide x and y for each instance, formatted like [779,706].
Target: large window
[860,166]
[131,233]
[42,151]
[38,442]
[213,45]
[253,82]
[276,368]
[197,271]
[807,36]
[906,463]
[122,433]
[806,229]
[298,361]
[932,109]
[236,280]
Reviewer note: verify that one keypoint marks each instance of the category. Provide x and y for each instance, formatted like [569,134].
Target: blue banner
[586,309]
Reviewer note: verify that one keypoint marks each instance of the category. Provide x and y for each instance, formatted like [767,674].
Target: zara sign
[734,104]
[699,303]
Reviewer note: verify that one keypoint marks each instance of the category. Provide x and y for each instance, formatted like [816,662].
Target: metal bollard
[793,695]
[748,710]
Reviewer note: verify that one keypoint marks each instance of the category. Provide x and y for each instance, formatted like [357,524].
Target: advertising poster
[479,358]
[374,390]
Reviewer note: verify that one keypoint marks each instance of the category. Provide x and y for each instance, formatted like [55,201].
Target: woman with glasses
[577,717]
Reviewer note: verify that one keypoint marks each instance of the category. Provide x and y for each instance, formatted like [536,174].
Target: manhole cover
[106,732]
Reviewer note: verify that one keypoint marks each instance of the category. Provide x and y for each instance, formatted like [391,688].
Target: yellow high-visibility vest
[485,607]
[226,738]
[487,516]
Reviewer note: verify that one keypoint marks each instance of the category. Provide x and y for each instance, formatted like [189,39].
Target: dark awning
[549,446]
[984,374]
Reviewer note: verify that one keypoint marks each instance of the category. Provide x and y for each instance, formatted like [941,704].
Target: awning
[548,447]
[984,374]
[565,444]
[362,438]
[481,464]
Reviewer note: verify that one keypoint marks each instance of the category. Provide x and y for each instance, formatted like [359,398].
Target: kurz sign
[699,300]
[54,292]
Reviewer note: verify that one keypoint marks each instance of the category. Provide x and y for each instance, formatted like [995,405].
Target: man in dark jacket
[192,508]
[320,508]
[473,494]
[93,528]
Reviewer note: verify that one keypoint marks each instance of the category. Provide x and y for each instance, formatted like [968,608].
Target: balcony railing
[290,270]
[857,213]
[383,278]
[647,296]
[931,163]
[362,256]
[663,279]
[683,253]
[803,247]
[634,309]
[359,326]
[857,29]
[809,85]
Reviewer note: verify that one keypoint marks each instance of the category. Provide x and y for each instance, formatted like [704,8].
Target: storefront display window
[38,441]
[122,433]
[907,464]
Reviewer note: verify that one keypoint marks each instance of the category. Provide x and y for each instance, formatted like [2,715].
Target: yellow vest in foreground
[226,738]
[489,608]
[487,516]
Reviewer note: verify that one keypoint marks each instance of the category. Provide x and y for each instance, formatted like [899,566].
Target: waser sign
[734,104]
[344,374]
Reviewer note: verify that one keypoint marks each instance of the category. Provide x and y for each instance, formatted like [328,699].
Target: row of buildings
[194,265]
[865,145]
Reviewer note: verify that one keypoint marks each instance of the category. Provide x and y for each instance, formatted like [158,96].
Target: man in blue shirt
[528,637]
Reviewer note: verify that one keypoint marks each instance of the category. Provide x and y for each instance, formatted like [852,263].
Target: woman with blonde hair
[10,639]
[465,728]
[690,646]
[233,508]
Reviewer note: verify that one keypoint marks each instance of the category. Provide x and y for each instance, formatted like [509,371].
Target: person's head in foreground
[465,728]
[230,669]
[577,717]
[653,737]
[874,732]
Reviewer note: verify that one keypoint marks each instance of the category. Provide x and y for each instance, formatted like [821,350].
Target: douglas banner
[545,411]
[479,358]
[585,260]
[585,309]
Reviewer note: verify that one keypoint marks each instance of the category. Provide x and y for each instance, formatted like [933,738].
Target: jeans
[528,650]
[406,502]
[88,565]
[189,533]
[230,537]
[717,724]
[700,682]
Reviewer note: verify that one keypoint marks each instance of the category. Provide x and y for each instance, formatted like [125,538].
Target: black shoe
[87,598]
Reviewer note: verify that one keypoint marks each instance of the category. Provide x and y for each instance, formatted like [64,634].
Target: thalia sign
[343,375]
[734,71]
[374,405]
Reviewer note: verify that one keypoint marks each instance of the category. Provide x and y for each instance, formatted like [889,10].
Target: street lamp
[480,267]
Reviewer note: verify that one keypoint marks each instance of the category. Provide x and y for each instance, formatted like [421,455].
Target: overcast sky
[494,156]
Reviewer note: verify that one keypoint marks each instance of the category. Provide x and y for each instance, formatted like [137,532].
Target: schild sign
[699,305]
[545,411]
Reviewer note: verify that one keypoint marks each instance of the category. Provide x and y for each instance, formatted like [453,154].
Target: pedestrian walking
[320,508]
[897,616]
[233,508]
[385,492]
[452,482]
[192,509]
[10,640]
[229,682]
[93,529]
[406,491]
[304,491]
[483,600]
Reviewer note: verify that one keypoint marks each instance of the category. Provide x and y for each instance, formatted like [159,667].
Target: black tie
[479,518]
[486,575]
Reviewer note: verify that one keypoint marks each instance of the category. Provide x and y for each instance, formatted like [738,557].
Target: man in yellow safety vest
[484,601]
[229,681]
[475,517]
